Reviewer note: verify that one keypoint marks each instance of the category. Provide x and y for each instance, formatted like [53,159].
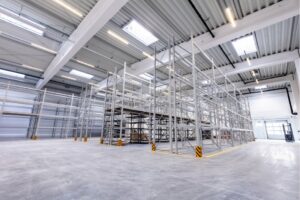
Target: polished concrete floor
[64,169]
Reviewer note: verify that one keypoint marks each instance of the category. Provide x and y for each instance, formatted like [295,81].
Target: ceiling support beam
[100,14]
[266,17]
[271,15]
[266,61]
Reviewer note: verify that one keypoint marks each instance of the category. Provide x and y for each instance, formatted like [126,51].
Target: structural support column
[296,93]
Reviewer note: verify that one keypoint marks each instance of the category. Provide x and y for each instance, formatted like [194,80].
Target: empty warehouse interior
[149,99]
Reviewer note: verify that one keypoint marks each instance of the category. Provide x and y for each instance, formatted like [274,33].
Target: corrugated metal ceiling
[166,19]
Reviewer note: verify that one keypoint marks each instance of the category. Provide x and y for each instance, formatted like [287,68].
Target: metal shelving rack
[217,112]
[211,114]
[51,114]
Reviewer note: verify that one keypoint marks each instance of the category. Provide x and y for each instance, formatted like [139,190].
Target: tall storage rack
[50,114]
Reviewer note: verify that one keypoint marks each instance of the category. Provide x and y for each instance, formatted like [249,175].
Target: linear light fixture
[69,7]
[81,74]
[9,73]
[43,48]
[21,24]
[140,33]
[148,55]
[113,34]
[230,17]
[30,67]
[253,73]
[248,61]
[205,82]
[68,77]
[84,63]
[244,45]
[261,87]
[257,82]
[22,17]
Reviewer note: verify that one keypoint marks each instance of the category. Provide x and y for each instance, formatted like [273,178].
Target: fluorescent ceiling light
[260,87]
[230,17]
[245,45]
[86,64]
[205,82]
[139,32]
[148,55]
[21,24]
[69,7]
[146,76]
[257,82]
[117,37]
[68,77]
[253,73]
[9,73]
[248,61]
[30,67]
[81,74]
[43,48]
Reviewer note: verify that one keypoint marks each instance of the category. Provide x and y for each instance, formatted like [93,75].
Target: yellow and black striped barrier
[153,147]
[120,143]
[34,137]
[198,151]
[85,139]
[101,141]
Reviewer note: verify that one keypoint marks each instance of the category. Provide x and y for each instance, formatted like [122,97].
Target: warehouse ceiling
[166,19]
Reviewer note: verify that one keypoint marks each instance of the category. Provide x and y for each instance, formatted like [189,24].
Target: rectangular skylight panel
[245,45]
[139,32]
[20,24]
[9,73]
[81,74]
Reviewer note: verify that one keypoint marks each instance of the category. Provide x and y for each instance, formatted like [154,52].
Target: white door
[275,129]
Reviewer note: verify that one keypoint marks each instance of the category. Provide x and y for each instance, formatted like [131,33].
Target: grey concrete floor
[64,169]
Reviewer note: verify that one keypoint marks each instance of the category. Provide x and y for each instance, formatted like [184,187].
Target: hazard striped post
[120,142]
[153,147]
[198,151]
[85,138]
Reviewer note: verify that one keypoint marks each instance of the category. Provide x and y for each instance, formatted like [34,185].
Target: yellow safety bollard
[120,142]
[101,141]
[85,139]
[198,151]
[34,137]
[153,147]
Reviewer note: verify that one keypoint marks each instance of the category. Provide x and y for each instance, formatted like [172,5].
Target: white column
[296,94]
[297,64]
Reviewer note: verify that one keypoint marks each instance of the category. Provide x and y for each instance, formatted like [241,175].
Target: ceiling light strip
[69,7]
[230,17]
[113,34]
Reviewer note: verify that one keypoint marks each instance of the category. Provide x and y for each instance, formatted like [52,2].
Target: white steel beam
[100,14]
[271,15]
[268,82]
[266,61]
[259,63]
